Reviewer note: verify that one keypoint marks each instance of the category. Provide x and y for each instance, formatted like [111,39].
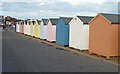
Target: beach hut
[43,29]
[22,26]
[62,31]
[28,27]
[25,27]
[15,27]
[79,32]
[51,29]
[37,29]
[104,35]
[19,26]
[32,28]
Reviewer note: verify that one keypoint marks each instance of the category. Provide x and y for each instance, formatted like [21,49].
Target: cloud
[41,4]
[78,2]
[60,1]
[30,1]
[119,7]
[55,9]
[41,10]
[1,3]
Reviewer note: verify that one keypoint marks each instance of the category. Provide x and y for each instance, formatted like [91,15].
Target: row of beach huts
[99,34]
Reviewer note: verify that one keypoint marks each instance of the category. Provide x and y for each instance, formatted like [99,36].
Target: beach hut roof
[33,22]
[66,20]
[53,20]
[112,17]
[45,21]
[39,21]
[85,19]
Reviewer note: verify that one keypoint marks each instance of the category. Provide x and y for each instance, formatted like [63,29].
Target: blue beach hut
[62,31]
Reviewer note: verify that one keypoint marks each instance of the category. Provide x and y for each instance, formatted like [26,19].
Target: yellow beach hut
[37,29]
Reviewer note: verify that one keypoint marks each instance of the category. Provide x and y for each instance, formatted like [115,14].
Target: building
[43,29]
[22,26]
[103,37]
[1,20]
[28,27]
[32,28]
[51,29]
[17,26]
[37,28]
[79,32]
[62,31]
[25,27]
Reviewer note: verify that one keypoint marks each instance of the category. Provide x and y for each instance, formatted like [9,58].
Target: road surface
[22,54]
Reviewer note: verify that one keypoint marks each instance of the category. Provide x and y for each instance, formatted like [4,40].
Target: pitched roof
[45,21]
[39,21]
[66,20]
[33,22]
[53,20]
[114,18]
[85,19]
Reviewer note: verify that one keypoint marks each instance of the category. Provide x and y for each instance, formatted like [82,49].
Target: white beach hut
[28,27]
[25,23]
[79,32]
[43,29]
[32,28]
[17,27]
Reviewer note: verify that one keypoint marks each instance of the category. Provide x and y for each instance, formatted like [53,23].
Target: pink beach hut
[51,29]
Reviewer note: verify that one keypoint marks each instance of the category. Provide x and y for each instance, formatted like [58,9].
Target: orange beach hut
[103,35]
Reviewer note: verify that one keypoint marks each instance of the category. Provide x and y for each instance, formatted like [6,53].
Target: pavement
[23,54]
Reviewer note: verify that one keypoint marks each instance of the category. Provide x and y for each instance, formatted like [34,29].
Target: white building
[17,27]
[25,27]
[43,29]
[32,28]
[79,32]
[28,27]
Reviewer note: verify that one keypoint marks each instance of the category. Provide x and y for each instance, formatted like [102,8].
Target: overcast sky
[37,9]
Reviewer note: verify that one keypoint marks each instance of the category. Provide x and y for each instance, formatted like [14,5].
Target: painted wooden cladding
[79,34]
[25,27]
[15,27]
[103,37]
[43,31]
[28,28]
[62,33]
[51,32]
[37,30]
[32,29]
[19,27]
[22,27]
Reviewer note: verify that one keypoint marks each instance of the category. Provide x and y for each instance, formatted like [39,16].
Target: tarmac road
[21,54]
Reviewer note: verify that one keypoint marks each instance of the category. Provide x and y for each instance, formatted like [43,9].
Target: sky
[38,9]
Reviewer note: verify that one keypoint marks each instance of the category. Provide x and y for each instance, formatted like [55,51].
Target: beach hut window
[20,23]
[75,18]
[29,22]
[33,22]
[26,22]
[38,22]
